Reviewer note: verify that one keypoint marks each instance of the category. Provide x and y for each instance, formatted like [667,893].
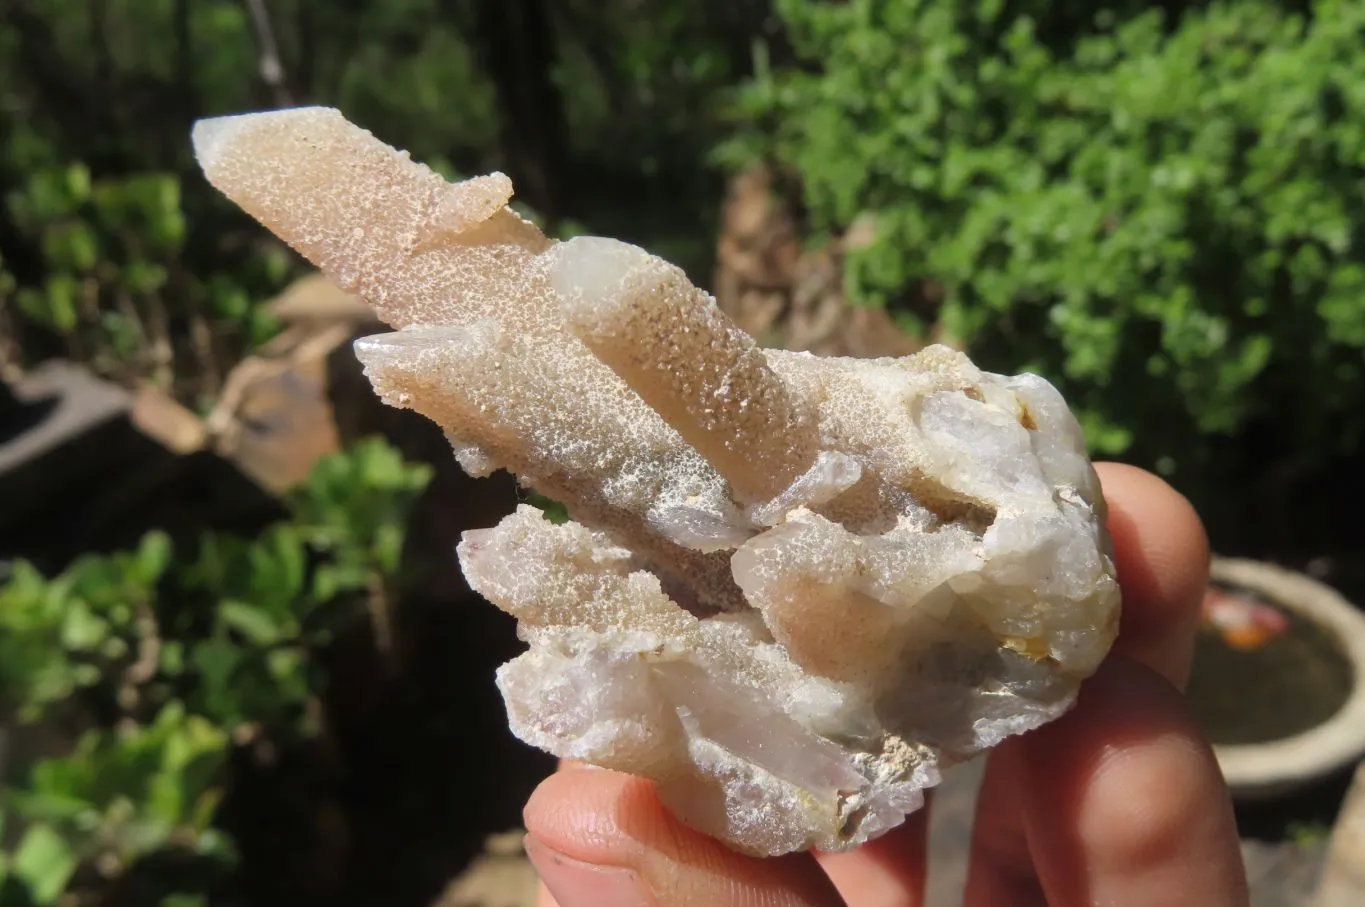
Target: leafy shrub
[115,251]
[61,636]
[171,662]
[121,796]
[1162,212]
[111,284]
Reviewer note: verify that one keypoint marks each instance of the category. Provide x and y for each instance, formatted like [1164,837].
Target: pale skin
[1119,803]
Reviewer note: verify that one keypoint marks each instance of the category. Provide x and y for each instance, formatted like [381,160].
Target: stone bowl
[1262,770]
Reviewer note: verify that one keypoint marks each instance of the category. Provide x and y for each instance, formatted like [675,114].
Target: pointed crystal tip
[212,136]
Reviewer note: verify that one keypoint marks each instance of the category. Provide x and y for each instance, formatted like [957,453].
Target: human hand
[1120,802]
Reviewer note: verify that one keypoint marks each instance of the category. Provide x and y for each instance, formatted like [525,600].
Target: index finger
[1162,556]
[1161,553]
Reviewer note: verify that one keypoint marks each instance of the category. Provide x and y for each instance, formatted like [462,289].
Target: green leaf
[153,557]
[330,580]
[55,805]
[173,657]
[217,662]
[145,277]
[554,511]
[81,248]
[261,326]
[213,843]
[284,547]
[387,548]
[255,624]
[289,667]
[82,630]
[230,299]
[78,182]
[45,862]
[55,306]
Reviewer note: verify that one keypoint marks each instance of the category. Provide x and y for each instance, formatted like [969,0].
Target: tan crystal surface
[793,589]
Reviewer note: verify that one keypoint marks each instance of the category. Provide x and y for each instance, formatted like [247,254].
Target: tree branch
[271,66]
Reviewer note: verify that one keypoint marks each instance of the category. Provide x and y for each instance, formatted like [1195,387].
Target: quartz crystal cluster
[793,589]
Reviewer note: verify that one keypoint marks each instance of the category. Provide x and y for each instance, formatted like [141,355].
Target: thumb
[603,839]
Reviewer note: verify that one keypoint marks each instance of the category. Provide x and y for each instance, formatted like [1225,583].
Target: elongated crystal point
[793,589]
[669,342]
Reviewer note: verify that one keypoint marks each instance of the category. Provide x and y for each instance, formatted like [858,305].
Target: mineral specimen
[794,589]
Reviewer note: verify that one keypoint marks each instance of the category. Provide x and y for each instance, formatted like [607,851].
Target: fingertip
[1161,553]
[1161,548]
[595,816]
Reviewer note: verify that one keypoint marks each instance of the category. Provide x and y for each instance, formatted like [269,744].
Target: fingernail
[577,884]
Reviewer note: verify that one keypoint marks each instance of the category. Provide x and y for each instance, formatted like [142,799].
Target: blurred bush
[168,661]
[1159,206]
[112,284]
[114,250]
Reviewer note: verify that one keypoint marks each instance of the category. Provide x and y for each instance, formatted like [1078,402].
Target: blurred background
[237,661]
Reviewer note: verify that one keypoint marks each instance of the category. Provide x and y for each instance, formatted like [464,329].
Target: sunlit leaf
[45,862]
[257,625]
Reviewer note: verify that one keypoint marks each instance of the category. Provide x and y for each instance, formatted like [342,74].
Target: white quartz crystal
[793,589]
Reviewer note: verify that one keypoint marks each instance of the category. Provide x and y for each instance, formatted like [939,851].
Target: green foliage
[121,796]
[645,83]
[1309,834]
[60,636]
[1163,214]
[354,508]
[110,279]
[252,670]
[114,250]
[172,661]
[103,256]
[554,511]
